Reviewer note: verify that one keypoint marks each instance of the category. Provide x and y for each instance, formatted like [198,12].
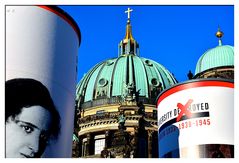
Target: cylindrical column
[41,46]
[107,138]
[196,119]
[136,146]
[88,145]
[150,132]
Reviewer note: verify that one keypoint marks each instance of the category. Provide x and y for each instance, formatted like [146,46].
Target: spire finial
[219,35]
[128,35]
[128,12]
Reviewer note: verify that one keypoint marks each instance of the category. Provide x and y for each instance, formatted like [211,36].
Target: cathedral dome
[109,78]
[220,56]
[113,80]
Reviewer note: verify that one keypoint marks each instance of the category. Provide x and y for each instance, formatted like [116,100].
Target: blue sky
[174,36]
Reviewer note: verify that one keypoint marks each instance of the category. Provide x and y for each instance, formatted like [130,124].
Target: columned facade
[101,136]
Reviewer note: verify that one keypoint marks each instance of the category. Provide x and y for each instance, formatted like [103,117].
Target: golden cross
[128,11]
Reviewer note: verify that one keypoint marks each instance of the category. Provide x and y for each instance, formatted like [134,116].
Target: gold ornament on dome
[219,33]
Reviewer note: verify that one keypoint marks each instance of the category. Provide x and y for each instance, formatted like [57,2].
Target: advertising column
[41,63]
[196,120]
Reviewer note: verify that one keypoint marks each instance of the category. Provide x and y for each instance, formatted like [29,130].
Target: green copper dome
[222,55]
[216,57]
[108,78]
[112,80]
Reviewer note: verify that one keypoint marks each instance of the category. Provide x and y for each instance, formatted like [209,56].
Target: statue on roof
[121,121]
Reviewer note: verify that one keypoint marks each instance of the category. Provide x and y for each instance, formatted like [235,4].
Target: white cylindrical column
[196,119]
[42,44]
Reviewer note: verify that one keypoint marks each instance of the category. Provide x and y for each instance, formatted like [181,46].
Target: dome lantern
[128,45]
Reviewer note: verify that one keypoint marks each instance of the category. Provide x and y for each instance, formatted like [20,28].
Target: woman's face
[27,133]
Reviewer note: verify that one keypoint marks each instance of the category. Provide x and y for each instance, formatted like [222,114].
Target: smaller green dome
[216,57]
[220,56]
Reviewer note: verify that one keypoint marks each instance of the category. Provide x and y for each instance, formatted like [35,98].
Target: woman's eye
[27,129]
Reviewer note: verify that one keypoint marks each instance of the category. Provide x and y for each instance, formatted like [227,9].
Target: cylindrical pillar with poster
[196,119]
[41,63]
